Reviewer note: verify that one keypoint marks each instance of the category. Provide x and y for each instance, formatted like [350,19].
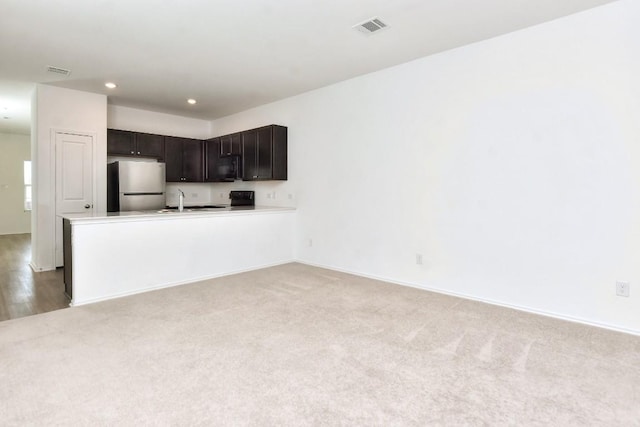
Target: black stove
[242,198]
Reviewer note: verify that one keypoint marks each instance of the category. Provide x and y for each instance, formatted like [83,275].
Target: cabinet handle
[255,176]
[133,152]
[138,152]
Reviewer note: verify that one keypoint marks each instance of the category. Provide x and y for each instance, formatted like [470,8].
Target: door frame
[53,185]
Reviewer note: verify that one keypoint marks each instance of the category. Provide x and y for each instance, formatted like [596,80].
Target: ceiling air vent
[370,26]
[58,70]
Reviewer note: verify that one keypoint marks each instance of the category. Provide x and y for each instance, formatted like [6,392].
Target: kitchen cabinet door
[279,158]
[183,159]
[231,144]
[192,167]
[149,145]
[125,143]
[120,142]
[264,153]
[173,158]
[264,156]
[249,155]
[211,156]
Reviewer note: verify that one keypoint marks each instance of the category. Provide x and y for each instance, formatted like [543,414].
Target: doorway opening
[23,292]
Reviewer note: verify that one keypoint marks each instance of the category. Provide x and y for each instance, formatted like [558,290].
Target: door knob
[87,206]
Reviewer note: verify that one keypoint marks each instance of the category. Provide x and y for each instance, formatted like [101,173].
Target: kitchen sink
[197,207]
[172,210]
[203,208]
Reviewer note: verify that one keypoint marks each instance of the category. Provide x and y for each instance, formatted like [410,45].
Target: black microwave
[228,168]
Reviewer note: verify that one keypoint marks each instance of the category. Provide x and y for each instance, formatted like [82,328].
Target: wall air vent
[371,26]
[58,70]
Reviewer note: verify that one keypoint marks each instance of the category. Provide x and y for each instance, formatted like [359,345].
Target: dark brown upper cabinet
[121,142]
[211,160]
[184,159]
[264,153]
[150,145]
[231,144]
[211,157]
[126,143]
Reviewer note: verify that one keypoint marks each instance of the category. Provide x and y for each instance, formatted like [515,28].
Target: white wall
[511,165]
[136,120]
[15,150]
[56,108]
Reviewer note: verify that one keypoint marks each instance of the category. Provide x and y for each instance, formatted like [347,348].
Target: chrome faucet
[180,200]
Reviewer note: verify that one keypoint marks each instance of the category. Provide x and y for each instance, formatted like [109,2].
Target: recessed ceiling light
[191,101]
[110,85]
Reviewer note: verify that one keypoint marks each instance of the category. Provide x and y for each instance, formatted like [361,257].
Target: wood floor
[22,291]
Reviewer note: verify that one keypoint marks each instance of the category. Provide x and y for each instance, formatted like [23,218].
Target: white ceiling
[232,55]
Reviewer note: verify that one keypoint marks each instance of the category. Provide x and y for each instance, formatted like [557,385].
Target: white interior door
[74,180]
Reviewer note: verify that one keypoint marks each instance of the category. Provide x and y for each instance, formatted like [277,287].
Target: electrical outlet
[268,195]
[222,195]
[622,289]
[290,196]
[309,242]
[419,259]
[194,195]
[274,194]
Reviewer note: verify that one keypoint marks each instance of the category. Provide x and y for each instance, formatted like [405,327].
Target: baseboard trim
[172,284]
[37,269]
[526,309]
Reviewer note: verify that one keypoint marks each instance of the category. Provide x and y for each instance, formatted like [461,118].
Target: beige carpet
[297,345]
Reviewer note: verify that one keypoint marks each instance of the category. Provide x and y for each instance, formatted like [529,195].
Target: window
[27,185]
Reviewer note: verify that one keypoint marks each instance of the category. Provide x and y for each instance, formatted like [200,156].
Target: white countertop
[164,214]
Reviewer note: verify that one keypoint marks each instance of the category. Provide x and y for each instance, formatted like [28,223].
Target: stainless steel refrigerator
[135,186]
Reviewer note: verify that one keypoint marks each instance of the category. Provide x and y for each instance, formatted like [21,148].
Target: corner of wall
[55,108]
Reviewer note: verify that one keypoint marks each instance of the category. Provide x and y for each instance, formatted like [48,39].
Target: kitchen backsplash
[267,193]
[195,193]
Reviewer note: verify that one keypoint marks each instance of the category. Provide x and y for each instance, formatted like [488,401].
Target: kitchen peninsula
[123,253]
